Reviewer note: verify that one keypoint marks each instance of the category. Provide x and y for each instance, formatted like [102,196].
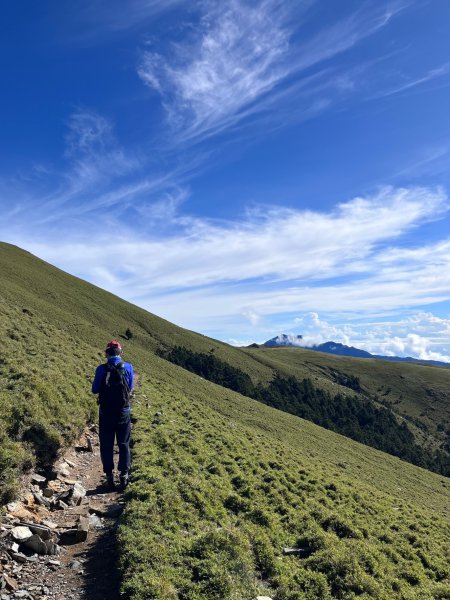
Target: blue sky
[241,168]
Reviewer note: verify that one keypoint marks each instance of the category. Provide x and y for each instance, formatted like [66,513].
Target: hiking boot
[124,480]
[110,482]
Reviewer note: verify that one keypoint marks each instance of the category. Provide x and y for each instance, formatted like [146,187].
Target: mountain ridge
[286,341]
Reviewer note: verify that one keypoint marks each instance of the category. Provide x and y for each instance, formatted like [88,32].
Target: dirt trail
[81,570]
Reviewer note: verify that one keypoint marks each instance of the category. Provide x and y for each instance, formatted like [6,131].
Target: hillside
[221,483]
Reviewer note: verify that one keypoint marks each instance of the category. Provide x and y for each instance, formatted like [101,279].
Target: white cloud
[253,317]
[241,53]
[300,247]
[275,265]
[430,75]
[416,336]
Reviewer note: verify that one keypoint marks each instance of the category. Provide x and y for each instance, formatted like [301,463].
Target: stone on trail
[78,493]
[36,544]
[75,536]
[95,522]
[21,533]
[19,557]
[50,524]
[41,500]
[83,524]
[36,478]
[41,530]
[72,536]
[76,565]
[11,583]
[111,511]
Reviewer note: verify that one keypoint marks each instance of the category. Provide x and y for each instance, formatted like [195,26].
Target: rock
[15,547]
[83,524]
[36,544]
[263,598]
[76,565]
[298,551]
[12,506]
[50,524]
[62,472]
[95,522]
[78,493]
[70,463]
[75,536]
[28,498]
[83,510]
[62,505]
[41,500]
[22,594]
[42,531]
[39,479]
[109,512]
[55,563]
[11,583]
[56,485]
[21,533]
[48,492]
[72,536]
[19,557]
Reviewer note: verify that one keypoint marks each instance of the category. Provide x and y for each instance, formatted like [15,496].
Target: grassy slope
[223,483]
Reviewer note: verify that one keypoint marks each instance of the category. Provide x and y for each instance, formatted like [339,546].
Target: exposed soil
[83,570]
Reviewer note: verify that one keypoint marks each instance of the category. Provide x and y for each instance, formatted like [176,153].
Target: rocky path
[58,541]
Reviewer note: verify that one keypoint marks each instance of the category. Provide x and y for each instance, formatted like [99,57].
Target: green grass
[223,483]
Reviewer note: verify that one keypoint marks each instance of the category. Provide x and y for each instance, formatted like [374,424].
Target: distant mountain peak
[284,339]
[291,341]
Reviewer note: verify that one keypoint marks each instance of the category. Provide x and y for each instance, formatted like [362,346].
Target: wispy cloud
[431,75]
[240,55]
[93,21]
[274,262]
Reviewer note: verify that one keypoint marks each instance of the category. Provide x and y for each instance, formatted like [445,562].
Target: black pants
[111,428]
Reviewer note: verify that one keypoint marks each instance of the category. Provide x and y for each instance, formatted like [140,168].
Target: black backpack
[114,391]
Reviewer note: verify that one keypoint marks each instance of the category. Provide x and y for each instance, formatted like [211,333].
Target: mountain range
[294,341]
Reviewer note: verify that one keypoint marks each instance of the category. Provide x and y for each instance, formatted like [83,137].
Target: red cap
[113,344]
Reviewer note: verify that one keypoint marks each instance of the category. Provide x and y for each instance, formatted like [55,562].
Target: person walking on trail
[113,382]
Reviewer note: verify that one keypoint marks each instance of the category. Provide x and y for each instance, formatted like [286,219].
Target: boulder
[38,479]
[36,544]
[43,532]
[21,533]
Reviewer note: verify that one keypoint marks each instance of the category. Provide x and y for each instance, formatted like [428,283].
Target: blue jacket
[100,371]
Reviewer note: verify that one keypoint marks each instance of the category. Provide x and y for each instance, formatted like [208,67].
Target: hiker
[113,382]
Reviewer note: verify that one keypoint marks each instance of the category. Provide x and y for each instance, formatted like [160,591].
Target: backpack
[114,392]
